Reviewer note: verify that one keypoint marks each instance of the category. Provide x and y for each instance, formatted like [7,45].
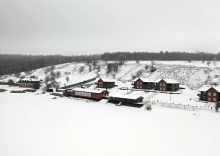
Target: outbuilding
[125,99]
[106,83]
[89,93]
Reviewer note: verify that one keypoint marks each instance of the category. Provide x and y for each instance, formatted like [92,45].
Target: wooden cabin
[143,83]
[126,99]
[167,85]
[209,93]
[89,93]
[29,83]
[105,83]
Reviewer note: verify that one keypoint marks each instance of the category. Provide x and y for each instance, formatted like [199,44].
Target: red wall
[139,84]
[162,85]
[100,85]
[210,95]
[96,96]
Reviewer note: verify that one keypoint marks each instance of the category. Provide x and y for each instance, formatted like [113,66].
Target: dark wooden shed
[126,99]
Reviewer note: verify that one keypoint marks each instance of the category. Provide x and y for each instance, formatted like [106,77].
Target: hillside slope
[194,74]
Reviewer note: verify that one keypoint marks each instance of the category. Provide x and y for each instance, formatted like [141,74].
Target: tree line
[14,63]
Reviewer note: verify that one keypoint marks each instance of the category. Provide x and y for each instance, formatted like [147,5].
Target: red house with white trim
[143,83]
[106,83]
[209,93]
[167,85]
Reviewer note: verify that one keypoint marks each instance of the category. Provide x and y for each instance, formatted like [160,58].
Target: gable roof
[144,80]
[29,80]
[107,80]
[207,87]
[169,81]
[133,97]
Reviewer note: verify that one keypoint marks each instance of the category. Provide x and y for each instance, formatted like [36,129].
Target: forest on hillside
[14,63]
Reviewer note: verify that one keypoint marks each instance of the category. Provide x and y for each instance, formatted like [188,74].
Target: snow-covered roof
[87,90]
[168,81]
[107,80]
[144,80]
[134,97]
[29,79]
[207,87]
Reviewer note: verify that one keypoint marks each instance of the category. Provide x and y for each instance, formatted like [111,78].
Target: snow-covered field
[37,125]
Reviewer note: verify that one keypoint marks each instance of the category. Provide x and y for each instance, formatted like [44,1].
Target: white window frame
[83,94]
[209,93]
[214,94]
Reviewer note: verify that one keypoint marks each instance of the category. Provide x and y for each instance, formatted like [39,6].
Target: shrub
[2,90]
[17,91]
[57,94]
[148,106]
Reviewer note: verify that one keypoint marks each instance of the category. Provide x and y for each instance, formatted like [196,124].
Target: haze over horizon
[70,27]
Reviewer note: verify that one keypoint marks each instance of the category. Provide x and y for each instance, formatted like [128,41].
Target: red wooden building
[89,93]
[209,93]
[143,83]
[167,85]
[106,83]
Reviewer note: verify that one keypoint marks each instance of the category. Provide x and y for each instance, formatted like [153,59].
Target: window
[83,94]
[209,99]
[214,94]
[160,88]
[161,84]
[214,99]
[164,84]
[209,93]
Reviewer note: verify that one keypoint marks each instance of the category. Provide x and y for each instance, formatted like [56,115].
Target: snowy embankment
[39,125]
[194,74]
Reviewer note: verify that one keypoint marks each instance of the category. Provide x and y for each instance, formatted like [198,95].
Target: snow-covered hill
[194,74]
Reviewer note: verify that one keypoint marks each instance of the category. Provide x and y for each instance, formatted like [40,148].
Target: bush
[57,94]
[146,67]
[148,106]
[29,90]
[2,90]
[17,91]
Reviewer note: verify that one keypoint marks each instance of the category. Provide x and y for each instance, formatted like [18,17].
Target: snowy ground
[37,125]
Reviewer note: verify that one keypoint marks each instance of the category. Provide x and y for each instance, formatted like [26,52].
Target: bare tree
[67,79]
[81,69]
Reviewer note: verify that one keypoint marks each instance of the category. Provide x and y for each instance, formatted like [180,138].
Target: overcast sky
[97,26]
